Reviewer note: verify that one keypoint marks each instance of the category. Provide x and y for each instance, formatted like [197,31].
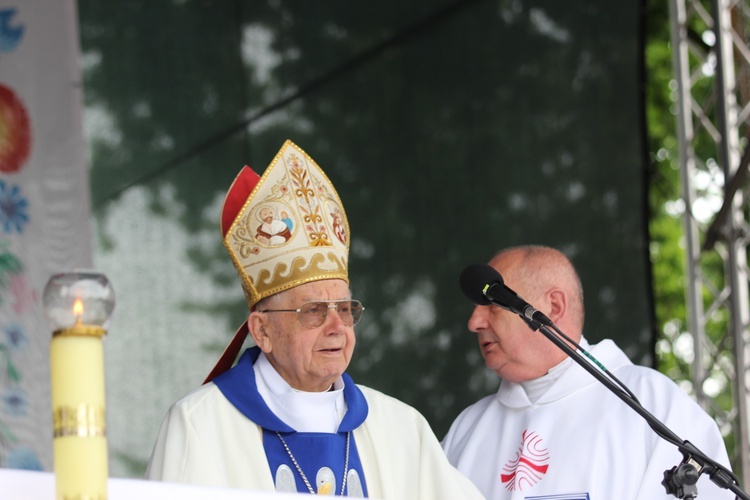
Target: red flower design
[15,131]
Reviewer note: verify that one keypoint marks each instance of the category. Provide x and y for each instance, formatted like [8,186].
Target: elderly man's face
[309,359]
[508,345]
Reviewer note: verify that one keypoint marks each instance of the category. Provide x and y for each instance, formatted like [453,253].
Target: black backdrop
[449,128]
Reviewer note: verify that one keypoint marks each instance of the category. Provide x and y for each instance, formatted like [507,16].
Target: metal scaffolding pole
[712,63]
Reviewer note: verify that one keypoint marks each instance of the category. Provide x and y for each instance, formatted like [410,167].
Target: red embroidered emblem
[529,466]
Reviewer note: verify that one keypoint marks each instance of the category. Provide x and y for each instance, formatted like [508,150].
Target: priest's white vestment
[580,440]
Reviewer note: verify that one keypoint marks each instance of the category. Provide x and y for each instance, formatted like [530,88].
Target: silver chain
[302,474]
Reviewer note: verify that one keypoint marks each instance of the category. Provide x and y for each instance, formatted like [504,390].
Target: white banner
[44,209]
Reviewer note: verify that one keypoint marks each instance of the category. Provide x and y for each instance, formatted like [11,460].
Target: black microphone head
[475,278]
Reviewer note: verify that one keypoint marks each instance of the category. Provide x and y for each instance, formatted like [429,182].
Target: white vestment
[206,440]
[579,439]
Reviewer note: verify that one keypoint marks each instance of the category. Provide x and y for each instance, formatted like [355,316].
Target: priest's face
[509,347]
[307,358]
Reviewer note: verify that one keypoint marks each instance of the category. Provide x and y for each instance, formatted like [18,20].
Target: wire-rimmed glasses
[312,314]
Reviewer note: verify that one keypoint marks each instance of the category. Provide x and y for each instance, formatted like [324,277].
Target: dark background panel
[450,130]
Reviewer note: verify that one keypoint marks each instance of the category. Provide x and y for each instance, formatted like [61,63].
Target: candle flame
[78,310]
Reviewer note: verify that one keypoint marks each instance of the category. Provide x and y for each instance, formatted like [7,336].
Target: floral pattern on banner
[34,156]
[15,292]
[13,217]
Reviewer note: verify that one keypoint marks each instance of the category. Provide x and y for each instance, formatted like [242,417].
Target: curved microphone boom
[483,285]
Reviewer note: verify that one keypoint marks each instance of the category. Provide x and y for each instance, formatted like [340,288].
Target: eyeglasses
[312,314]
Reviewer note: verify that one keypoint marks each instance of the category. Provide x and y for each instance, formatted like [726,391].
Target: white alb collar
[535,388]
[304,411]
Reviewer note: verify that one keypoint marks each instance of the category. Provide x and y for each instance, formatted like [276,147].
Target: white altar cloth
[32,485]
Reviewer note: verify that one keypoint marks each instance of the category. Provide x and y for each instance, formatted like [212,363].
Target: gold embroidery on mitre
[291,230]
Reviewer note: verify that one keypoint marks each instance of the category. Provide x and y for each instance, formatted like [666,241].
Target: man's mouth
[486,344]
[331,349]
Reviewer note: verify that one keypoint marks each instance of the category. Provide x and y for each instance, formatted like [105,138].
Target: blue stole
[318,454]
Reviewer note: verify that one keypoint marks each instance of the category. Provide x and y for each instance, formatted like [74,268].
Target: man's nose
[332,314]
[478,319]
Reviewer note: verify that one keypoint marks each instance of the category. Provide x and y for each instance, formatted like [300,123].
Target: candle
[78,409]
[77,304]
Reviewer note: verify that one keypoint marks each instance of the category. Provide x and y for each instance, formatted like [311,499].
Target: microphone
[483,285]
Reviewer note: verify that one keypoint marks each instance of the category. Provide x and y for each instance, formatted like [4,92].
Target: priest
[286,416]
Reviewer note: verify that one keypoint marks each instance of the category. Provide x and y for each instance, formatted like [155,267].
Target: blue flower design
[12,208]
[15,337]
[15,401]
[23,458]
[10,33]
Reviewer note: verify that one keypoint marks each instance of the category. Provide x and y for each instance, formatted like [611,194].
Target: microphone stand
[678,481]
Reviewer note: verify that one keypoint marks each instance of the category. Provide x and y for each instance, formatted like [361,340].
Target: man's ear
[558,303]
[257,324]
